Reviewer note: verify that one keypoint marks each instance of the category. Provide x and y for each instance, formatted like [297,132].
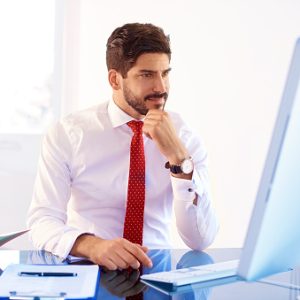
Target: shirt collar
[117,116]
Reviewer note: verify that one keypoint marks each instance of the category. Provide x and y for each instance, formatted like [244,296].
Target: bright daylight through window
[27,64]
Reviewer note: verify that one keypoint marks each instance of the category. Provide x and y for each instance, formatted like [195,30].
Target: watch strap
[175,169]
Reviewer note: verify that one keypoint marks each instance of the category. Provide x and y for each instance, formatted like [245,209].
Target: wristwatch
[185,167]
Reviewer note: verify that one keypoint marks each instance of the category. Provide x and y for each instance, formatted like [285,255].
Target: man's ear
[114,79]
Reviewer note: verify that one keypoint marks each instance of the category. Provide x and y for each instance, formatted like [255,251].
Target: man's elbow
[204,241]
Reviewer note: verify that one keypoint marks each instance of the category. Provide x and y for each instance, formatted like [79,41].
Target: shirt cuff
[187,190]
[183,189]
[66,243]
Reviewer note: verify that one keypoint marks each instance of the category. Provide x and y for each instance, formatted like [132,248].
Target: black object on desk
[48,274]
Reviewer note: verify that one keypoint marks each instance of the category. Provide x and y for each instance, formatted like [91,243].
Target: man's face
[147,83]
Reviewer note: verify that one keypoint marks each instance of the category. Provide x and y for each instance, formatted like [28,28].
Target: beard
[139,103]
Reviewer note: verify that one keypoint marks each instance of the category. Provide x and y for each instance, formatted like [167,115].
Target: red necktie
[134,218]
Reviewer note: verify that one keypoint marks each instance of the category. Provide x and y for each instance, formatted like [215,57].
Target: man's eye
[165,74]
[146,75]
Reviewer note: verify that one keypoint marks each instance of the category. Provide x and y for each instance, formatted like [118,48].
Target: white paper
[73,259]
[8,257]
[81,286]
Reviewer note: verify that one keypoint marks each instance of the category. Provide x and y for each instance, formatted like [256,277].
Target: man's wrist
[185,167]
[83,244]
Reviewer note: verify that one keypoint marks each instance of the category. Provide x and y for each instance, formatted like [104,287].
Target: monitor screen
[272,243]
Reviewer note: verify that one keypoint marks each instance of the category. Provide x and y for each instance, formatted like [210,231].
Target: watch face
[187,166]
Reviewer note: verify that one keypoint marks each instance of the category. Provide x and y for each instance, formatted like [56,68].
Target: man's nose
[160,85]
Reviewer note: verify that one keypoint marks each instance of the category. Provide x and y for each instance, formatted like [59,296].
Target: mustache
[157,95]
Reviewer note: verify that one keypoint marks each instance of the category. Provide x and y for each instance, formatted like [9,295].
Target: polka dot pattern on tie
[134,218]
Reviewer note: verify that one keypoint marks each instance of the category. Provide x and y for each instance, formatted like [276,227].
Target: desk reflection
[118,284]
[191,259]
[225,289]
[121,284]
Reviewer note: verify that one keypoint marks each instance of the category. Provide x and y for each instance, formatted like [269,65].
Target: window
[27,54]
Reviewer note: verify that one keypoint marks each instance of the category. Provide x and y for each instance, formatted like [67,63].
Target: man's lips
[157,97]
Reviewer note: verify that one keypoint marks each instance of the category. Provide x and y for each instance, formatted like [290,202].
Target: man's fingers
[156,113]
[120,254]
[120,259]
[144,248]
[129,259]
[139,254]
[156,124]
[109,264]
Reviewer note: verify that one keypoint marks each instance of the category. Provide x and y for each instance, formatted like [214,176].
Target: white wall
[230,60]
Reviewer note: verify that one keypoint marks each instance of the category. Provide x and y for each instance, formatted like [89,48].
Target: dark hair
[128,42]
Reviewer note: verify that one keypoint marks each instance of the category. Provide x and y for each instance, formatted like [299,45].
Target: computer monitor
[272,242]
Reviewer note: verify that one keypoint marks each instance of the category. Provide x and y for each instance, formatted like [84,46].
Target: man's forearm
[83,245]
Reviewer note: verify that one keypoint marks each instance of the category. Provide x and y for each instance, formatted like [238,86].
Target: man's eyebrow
[152,71]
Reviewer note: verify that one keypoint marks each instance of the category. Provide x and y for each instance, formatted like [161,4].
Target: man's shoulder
[80,122]
[87,113]
[90,116]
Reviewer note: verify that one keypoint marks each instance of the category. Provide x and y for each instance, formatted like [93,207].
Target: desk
[171,259]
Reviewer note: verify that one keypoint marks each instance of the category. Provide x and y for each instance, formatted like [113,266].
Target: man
[109,176]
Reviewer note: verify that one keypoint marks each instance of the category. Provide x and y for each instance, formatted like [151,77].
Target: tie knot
[136,126]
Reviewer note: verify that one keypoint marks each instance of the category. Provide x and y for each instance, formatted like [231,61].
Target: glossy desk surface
[118,285]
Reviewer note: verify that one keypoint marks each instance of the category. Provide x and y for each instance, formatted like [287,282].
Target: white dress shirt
[81,185]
